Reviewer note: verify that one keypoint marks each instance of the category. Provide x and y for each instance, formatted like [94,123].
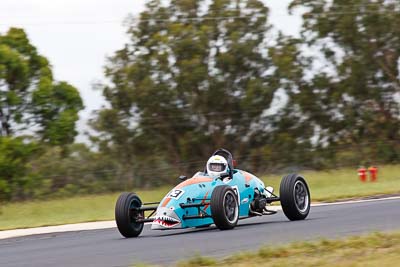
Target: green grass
[344,183]
[68,210]
[324,186]
[378,249]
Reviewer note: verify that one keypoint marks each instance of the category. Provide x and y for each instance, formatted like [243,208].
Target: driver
[217,166]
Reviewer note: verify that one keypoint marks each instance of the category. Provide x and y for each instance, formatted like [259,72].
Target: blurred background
[98,97]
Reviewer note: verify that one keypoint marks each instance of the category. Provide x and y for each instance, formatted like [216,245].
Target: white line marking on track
[111,224]
[57,229]
[354,201]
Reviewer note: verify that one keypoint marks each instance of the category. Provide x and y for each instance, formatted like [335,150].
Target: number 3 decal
[176,193]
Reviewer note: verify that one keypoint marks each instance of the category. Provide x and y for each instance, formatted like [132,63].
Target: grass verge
[324,186]
[344,183]
[378,249]
[68,210]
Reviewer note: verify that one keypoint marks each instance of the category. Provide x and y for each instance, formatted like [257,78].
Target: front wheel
[126,214]
[224,207]
[295,197]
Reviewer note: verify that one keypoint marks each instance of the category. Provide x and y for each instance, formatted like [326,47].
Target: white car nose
[165,218]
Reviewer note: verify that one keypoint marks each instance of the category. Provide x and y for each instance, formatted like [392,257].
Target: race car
[220,195]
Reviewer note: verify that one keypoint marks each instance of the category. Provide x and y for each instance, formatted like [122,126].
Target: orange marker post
[373,173]
[362,174]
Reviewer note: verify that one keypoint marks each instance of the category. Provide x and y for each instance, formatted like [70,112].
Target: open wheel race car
[205,199]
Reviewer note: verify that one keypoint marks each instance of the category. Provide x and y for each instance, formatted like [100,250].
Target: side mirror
[182,178]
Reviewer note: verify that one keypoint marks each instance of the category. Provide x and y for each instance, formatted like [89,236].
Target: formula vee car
[205,199]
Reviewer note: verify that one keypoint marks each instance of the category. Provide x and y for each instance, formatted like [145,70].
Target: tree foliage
[354,95]
[35,112]
[30,100]
[189,81]
[14,158]
[197,76]
[34,171]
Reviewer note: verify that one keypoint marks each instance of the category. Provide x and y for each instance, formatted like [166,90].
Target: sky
[78,35]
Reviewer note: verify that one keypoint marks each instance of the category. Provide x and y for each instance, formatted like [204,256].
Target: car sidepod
[245,183]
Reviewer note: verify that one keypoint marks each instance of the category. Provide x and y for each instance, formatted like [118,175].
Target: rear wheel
[224,207]
[295,197]
[126,214]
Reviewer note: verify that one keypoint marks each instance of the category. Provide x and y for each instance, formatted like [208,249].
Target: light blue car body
[199,189]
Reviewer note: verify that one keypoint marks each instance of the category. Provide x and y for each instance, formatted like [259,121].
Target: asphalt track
[108,248]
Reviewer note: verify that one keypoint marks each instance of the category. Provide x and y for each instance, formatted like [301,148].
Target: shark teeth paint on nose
[166,221]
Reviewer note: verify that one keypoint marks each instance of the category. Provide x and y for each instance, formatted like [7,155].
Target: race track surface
[108,248]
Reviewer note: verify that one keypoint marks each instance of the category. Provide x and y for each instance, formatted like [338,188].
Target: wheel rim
[230,207]
[301,198]
[134,214]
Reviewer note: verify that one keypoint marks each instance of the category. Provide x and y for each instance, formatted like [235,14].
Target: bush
[15,154]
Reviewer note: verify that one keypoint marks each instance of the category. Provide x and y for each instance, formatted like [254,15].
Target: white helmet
[217,165]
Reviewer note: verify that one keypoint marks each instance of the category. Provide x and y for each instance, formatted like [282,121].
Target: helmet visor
[217,167]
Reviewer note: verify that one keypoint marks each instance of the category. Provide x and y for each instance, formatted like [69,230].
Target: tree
[29,97]
[351,98]
[194,77]
[81,171]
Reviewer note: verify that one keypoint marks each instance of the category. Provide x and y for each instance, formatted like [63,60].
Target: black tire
[224,207]
[295,197]
[125,215]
